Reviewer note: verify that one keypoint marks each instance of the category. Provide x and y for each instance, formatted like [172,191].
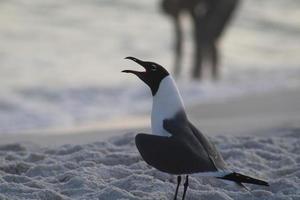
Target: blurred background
[61,61]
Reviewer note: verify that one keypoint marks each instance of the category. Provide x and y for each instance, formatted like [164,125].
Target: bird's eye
[153,68]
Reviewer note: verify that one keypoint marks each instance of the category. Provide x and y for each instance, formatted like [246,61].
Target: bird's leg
[186,185]
[178,183]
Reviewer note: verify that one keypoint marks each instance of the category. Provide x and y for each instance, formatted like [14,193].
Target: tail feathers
[240,178]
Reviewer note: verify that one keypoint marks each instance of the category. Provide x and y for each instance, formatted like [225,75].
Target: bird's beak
[140,62]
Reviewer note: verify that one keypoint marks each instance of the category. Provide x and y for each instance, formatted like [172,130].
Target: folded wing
[169,154]
[210,148]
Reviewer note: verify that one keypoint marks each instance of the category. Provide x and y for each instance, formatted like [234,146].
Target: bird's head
[152,75]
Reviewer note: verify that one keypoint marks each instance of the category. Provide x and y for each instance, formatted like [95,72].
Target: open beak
[140,62]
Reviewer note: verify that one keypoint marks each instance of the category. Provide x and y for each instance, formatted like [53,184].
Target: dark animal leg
[178,46]
[198,49]
[214,57]
[186,185]
[197,68]
[218,17]
[178,183]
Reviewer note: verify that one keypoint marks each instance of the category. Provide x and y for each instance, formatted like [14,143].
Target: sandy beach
[257,135]
[68,116]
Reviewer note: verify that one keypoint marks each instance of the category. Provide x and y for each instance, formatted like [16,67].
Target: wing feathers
[240,178]
[170,155]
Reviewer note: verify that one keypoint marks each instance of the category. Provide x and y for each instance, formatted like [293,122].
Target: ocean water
[61,61]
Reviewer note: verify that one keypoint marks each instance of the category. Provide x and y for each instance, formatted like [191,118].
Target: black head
[152,75]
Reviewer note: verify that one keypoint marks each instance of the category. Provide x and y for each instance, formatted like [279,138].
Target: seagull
[176,146]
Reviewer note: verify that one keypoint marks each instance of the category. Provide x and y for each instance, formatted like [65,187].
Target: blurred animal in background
[209,19]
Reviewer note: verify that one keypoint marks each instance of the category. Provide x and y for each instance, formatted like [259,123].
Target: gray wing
[210,148]
[168,154]
[180,127]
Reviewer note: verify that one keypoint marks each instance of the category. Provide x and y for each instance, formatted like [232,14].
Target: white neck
[166,103]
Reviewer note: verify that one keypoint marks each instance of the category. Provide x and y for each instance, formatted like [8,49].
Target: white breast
[166,103]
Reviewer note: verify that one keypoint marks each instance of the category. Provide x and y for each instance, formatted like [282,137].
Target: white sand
[39,167]
[114,170]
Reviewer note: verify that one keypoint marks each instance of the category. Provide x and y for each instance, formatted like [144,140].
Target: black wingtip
[240,178]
